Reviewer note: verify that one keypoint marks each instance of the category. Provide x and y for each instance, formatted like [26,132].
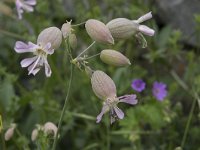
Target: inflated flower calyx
[115,58]
[66,29]
[102,85]
[98,31]
[73,41]
[50,128]
[122,28]
[9,133]
[34,134]
[51,35]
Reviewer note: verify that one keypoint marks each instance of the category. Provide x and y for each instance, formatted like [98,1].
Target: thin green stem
[64,108]
[178,79]
[108,133]
[68,48]
[91,56]
[11,34]
[75,25]
[3,141]
[86,49]
[188,123]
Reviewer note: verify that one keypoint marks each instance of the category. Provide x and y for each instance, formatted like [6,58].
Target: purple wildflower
[26,5]
[159,90]
[138,85]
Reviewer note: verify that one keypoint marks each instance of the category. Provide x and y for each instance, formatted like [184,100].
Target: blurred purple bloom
[115,112]
[40,59]
[138,85]
[159,90]
[26,5]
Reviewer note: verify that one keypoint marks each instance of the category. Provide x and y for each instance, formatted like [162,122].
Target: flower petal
[28,61]
[21,47]
[129,99]
[144,17]
[47,48]
[30,2]
[27,8]
[47,69]
[35,71]
[119,112]
[34,66]
[146,30]
[104,109]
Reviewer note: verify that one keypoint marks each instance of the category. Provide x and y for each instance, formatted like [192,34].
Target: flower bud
[98,31]
[50,128]
[114,58]
[122,28]
[9,133]
[72,41]
[102,85]
[51,35]
[66,29]
[34,134]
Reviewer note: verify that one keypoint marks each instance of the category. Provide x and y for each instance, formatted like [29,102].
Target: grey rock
[180,15]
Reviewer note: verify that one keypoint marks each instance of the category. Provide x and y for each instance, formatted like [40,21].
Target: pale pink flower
[40,59]
[104,88]
[48,40]
[26,5]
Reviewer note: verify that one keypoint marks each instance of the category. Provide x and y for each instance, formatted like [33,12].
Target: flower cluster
[48,129]
[103,86]
[159,89]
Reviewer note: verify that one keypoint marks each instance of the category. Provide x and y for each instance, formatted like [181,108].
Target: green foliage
[151,124]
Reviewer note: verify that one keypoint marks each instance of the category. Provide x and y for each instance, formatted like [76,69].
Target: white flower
[48,40]
[26,5]
[35,63]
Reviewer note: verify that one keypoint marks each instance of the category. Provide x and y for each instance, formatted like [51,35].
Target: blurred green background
[172,57]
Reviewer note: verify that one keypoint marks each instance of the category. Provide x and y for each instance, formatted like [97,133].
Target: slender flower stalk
[64,109]
[86,49]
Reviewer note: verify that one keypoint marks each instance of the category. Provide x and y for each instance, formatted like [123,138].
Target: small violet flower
[26,5]
[48,40]
[159,90]
[138,85]
[104,88]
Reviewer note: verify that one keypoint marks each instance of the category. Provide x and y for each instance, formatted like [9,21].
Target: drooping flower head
[122,28]
[105,89]
[48,40]
[138,85]
[159,90]
[26,5]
